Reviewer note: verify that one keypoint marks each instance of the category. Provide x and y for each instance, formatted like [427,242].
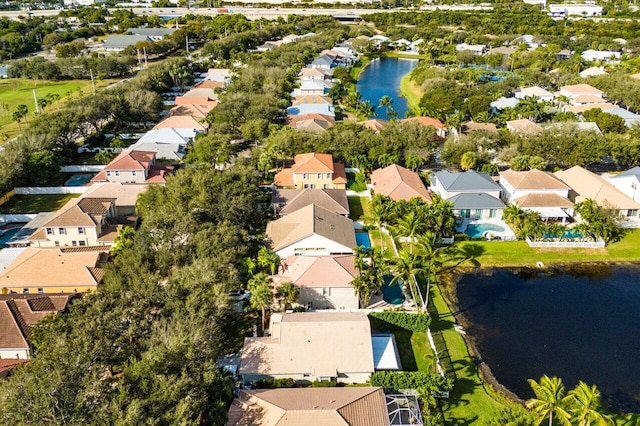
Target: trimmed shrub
[397,380]
[270,383]
[324,384]
[413,322]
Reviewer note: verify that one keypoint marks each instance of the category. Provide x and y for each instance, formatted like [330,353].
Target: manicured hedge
[404,320]
[324,384]
[274,383]
[397,380]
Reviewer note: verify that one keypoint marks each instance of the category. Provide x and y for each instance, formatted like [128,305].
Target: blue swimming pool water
[7,236]
[392,293]
[362,239]
[569,234]
[476,230]
[78,179]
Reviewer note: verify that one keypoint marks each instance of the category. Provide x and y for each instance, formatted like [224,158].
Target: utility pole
[35,99]
[93,83]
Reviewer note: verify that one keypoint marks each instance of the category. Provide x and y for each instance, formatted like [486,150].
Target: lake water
[382,77]
[581,323]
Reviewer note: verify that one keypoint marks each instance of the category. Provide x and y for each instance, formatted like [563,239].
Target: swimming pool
[7,236]
[392,293]
[362,239]
[477,230]
[78,179]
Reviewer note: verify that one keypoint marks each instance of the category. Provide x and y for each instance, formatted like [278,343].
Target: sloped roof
[209,84]
[466,181]
[131,160]
[524,126]
[181,122]
[125,194]
[578,89]
[162,135]
[374,124]
[334,200]
[199,112]
[535,91]
[318,271]
[399,183]
[84,211]
[122,41]
[425,121]
[52,267]
[312,99]
[475,201]
[313,162]
[354,406]
[635,171]
[542,200]
[604,106]
[320,119]
[196,100]
[588,185]
[317,343]
[152,32]
[587,99]
[472,126]
[533,179]
[164,151]
[308,221]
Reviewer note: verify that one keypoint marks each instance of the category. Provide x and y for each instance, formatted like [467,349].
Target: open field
[35,203]
[518,253]
[17,91]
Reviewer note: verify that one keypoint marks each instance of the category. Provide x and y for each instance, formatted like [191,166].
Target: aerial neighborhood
[269,214]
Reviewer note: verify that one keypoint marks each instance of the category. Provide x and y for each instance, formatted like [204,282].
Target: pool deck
[505,235]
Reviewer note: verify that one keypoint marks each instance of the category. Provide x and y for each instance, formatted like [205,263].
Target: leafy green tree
[469,161]
[268,261]
[549,401]
[43,167]
[20,113]
[103,157]
[124,240]
[288,294]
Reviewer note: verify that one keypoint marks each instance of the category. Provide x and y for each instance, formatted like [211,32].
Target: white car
[239,295]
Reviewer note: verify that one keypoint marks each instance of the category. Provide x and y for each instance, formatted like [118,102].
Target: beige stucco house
[399,183]
[312,170]
[133,166]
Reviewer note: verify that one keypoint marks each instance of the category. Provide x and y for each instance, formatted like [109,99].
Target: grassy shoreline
[411,92]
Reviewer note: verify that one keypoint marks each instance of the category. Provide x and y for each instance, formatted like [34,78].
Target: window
[325,186]
[40,290]
[477,214]
[328,175]
[25,291]
[465,213]
[57,243]
[632,213]
[82,243]
[133,173]
[493,213]
[81,231]
[117,173]
[309,186]
[108,173]
[305,176]
[326,291]
[49,231]
[62,231]
[319,176]
[74,243]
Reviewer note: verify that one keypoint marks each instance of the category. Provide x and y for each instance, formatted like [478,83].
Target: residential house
[132,166]
[198,112]
[324,281]
[603,106]
[84,221]
[630,118]
[564,54]
[316,123]
[312,170]
[588,185]
[628,183]
[593,72]
[476,49]
[269,45]
[502,103]
[311,231]
[186,125]
[166,143]
[523,127]
[582,9]
[311,346]
[287,201]
[538,191]
[209,84]
[315,87]
[315,74]
[374,124]
[599,55]
[119,42]
[476,206]
[447,184]
[574,90]
[312,100]
[55,270]
[222,75]
[441,130]
[378,40]
[470,127]
[586,100]
[536,92]
[324,62]
[154,34]
[399,183]
[19,314]
[125,196]
[356,406]
[582,126]
[303,109]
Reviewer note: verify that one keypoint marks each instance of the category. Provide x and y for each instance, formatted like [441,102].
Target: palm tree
[549,400]
[268,260]
[387,103]
[370,264]
[585,402]
[288,294]
[408,227]
[367,109]
[261,294]
[377,213]
[405,268]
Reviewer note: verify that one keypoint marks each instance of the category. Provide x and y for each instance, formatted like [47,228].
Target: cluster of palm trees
[578,407]
[367,109]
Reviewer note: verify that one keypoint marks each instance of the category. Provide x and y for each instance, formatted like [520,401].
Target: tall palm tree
[288,294]
[261,298]
[585,402]
[549,401]
[377,213]
[387,103]
[408,227]
[367,109]
[405,268]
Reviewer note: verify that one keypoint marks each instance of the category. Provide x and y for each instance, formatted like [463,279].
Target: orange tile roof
[318,271]
[198,112]
[131,160]
[181,122]
[533,179]
[588,185]
[375,124]
[196,100]
[334,200]
[81,212]
[209,84]
[542,200]
[313,162]
[425,121]
[399,183]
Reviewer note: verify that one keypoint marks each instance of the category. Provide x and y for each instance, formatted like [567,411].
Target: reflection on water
[578,322]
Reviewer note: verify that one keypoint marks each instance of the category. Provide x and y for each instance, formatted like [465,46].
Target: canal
[577,323]
[382,77]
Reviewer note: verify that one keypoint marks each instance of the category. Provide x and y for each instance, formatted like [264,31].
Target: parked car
[239,295]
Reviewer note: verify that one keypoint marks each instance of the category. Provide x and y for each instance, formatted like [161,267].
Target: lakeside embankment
[411,92]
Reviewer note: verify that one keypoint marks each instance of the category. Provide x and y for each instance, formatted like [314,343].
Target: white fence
[46,190]
[566,244]
[16,218]
[91,168]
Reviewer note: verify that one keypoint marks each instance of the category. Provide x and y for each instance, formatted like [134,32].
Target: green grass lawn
[518,253]
[35,203]
[358,207]
[413,349]
[411,91]
[16,91]
[374,235]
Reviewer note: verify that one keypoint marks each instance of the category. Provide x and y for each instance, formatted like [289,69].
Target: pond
[577,323]
[382,77]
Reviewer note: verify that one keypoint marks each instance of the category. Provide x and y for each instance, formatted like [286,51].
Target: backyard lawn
[35,203]
[518,253]
[358,207]
[17,91]
[374,235]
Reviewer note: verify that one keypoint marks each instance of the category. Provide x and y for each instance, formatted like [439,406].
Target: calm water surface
[575,324]
[382,77]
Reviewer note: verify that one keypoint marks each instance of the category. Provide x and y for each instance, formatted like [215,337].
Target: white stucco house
[628,182]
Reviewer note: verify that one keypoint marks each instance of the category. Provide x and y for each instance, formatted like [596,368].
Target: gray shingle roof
[467,181]
[120,41]
[475,201]
[631,172]
[151,32]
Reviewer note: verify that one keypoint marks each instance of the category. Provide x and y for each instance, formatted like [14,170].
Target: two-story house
[474,195]
[133,166]
[312,170]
